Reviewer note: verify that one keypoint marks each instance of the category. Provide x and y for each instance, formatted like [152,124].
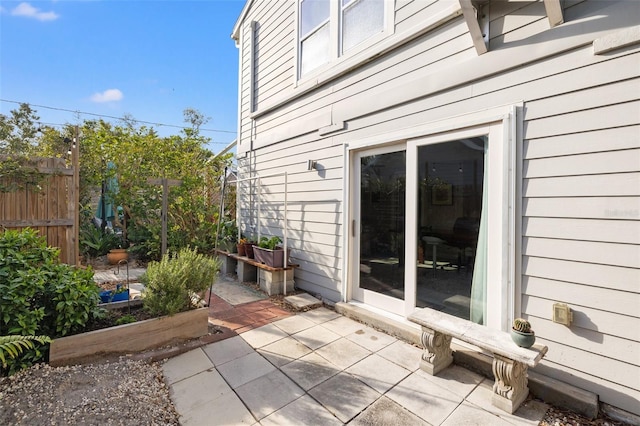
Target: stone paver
[263,336]
[468,414]
[304,411]
[113,275]
[529,414]
[316,337]
[303,301]
[276,359]
[310,370]
[269,393]
[236,293]
[377,372]
[245,369]
[343,326]
[370,338]
[294,324]
[319,315]
[344,396]
[425,399]
[289,347]
[227,350]
[386,412]
[455,379]
[186,365]
[403,354]
[343,353]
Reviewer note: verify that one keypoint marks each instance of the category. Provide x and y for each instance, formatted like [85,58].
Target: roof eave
[235,34]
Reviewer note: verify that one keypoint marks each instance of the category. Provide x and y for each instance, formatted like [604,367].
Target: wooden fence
[51,209]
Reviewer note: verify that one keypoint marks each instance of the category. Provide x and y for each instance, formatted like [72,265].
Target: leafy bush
[40,295]
[13,346]
[94,243]
[170,283]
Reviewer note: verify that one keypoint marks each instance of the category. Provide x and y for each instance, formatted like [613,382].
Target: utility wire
[66,124]
[114,117]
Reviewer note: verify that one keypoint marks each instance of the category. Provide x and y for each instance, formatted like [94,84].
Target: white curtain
[478,306]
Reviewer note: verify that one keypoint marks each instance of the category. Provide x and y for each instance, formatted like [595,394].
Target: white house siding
[580,166]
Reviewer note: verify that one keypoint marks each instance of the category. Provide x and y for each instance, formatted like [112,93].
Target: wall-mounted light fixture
[312,165]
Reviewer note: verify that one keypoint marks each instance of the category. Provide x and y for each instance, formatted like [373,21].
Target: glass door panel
[380,219]
[450,274]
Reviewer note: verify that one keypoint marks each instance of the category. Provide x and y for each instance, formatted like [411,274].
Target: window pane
[312,14]
[314,51]
[360,20]
[450,237]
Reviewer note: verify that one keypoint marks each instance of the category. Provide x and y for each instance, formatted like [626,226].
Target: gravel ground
[558,417]
[124,392]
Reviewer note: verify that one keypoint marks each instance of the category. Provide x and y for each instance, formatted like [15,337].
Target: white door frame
[368,297]
[505,118]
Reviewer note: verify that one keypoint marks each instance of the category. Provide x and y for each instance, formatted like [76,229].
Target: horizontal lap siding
[580,174]
[314,208]
[275,43]
[581,234]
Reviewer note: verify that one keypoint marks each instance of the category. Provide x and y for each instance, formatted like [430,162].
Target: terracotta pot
[248,247]
[116,255]
[241,250]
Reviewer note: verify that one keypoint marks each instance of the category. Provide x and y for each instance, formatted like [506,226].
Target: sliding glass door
[432,225]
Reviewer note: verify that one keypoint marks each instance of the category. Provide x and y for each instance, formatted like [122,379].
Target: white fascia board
[243,14]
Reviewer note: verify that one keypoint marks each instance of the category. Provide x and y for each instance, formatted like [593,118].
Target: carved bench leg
[510,387]
[437,351]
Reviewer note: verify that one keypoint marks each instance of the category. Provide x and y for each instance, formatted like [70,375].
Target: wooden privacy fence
[51,208]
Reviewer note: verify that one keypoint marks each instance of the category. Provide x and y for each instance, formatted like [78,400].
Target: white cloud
[26,10]
[109,95]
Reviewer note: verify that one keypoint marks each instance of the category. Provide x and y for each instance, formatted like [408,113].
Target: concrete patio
[321,368]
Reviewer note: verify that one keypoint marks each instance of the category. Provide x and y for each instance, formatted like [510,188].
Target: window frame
[336,55]
[506,120]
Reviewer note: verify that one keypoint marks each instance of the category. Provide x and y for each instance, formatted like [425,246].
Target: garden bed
[130,338]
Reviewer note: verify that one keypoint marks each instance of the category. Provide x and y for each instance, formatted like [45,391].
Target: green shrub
[170,283]
[40,295]
[12,346]
[94,243]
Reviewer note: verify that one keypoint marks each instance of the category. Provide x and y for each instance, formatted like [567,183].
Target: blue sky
[148,58]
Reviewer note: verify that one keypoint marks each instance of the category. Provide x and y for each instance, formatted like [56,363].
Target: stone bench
[269,278]
[510,362]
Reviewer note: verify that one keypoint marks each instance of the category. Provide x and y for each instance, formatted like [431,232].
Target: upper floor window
[328,29]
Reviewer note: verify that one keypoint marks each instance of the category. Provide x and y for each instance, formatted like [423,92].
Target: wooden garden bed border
[129,338]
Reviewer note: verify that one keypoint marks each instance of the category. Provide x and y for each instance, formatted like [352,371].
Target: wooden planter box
[128,338]
[273,258]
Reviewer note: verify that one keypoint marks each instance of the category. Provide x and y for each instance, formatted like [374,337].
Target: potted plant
[240,246]
[248,247]
[522,334]
[228,235]
[268,252]
[119,253]
[121,293]
[116,255]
